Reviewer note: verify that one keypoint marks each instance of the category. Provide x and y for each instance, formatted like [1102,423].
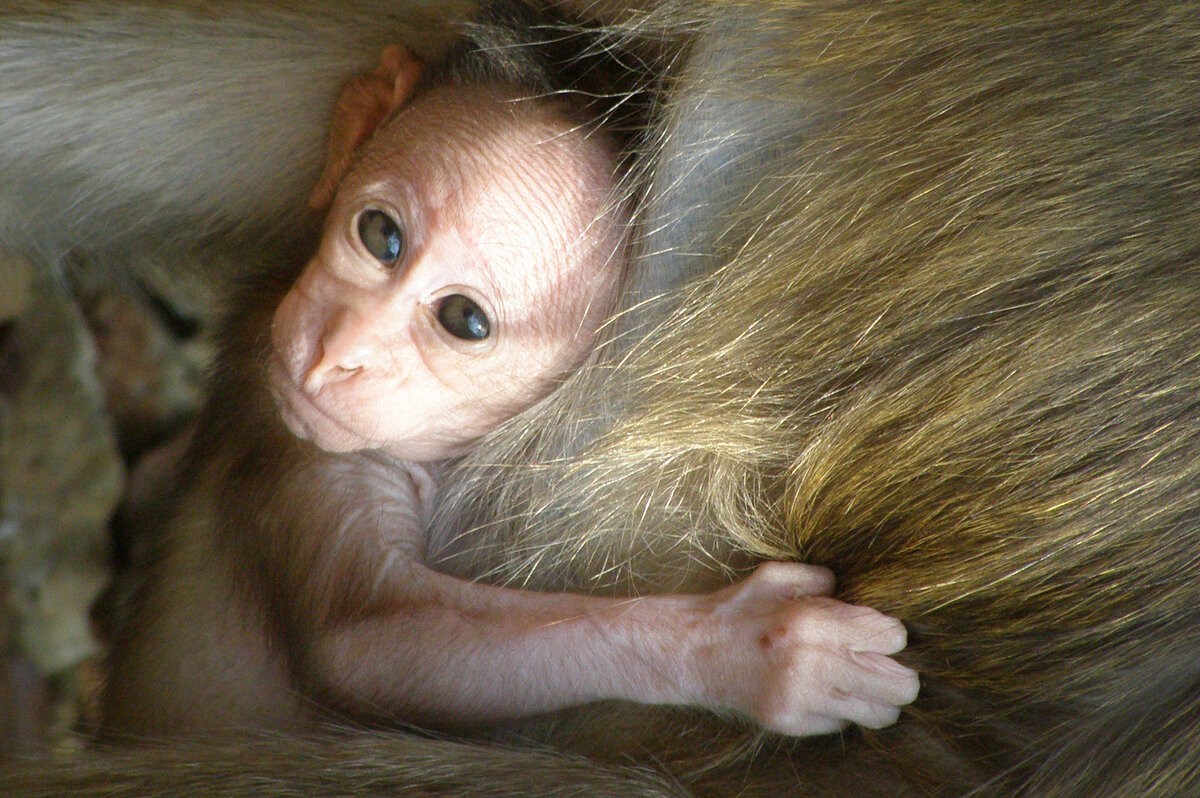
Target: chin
[339,445]
[325,430]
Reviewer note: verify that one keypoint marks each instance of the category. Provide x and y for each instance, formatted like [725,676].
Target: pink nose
[326,373]
[348,348]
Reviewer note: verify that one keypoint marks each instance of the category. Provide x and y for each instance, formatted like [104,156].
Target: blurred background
[99,380]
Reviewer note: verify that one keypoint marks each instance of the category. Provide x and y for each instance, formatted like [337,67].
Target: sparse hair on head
[551,58]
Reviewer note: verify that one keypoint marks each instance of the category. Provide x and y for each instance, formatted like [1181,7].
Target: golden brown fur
[949,348]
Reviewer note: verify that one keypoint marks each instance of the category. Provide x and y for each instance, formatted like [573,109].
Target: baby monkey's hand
[776,648]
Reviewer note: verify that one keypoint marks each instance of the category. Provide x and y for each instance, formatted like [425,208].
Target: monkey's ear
[363,104]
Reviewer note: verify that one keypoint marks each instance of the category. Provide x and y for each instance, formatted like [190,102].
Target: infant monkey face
[468,261]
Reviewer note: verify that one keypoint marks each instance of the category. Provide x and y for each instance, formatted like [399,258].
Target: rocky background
[98,381]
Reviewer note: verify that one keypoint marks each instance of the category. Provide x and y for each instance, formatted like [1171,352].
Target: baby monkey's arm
[773,648]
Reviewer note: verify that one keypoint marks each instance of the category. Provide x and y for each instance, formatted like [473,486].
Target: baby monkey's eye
[381,236]
[463,319]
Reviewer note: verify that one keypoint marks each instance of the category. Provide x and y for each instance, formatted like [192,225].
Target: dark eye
[381,236]
[463,319]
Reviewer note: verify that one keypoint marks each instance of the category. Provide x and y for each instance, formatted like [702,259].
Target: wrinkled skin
[493,200]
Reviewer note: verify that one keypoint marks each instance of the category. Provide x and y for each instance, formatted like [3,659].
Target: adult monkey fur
[940,338]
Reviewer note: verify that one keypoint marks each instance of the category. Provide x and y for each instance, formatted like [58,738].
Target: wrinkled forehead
[493,148]
[526,187]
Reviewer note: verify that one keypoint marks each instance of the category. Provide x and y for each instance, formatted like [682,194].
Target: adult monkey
[976,399]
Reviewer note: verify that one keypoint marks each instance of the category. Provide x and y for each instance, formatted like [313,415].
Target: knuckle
[771,572]
[812,617]
[801,576]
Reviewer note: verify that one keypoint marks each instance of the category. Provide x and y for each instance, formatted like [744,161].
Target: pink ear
[363,104]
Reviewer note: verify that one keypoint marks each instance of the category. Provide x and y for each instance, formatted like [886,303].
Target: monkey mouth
[304,417]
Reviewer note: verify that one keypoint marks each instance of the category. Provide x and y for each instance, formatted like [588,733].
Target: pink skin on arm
[769,648]
[469,258]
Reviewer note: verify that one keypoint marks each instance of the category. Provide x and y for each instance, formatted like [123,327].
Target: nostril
[326,373]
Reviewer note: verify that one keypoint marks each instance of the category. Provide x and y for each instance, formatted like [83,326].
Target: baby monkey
[472,252]
[470,257]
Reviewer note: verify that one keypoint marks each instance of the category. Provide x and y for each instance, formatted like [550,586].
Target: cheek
[288,329]
[490,394]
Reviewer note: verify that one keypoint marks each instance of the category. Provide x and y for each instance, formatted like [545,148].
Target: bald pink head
[470,256]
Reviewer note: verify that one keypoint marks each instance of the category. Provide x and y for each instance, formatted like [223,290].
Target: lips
[304,417]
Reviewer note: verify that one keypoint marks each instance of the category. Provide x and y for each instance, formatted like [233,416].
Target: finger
[881,634]
[869,715]
[837,625]
[808,724]
[878,679]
